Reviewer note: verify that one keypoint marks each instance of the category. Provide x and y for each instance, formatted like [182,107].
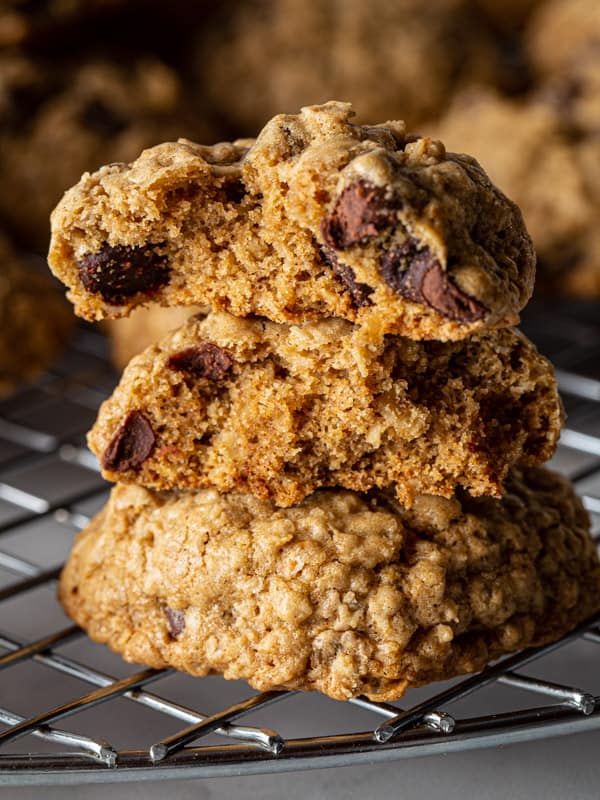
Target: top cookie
[316,217]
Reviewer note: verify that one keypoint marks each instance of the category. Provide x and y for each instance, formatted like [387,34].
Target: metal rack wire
[69,718]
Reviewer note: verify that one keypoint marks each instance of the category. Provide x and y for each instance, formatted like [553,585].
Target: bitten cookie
[279,411]
[317,217]
[346,594]
[35,320]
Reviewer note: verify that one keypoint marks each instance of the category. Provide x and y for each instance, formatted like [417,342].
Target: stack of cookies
[330,479]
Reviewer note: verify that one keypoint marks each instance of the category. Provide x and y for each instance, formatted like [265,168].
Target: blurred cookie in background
[574,93]
[49,24]
[60,120]
[35,320]
[559,33]
[23,20]
[393,59]
[508,16]
[145,326]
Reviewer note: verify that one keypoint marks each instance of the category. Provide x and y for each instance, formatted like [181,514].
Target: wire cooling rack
[72,712]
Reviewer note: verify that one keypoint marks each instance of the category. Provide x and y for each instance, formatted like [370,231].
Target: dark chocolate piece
[358,291]
[131,445]
[175,621]
[205,360]
[362,210]
[418,275]
[119,272]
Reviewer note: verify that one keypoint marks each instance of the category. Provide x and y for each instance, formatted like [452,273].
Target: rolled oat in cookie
[345,593]
[280,410]
[317,217]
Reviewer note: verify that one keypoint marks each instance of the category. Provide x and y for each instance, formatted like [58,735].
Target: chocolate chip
[100,118]
[205,360]
[235,191]
[131,445]
[416,274]
[175,621]
[358,291]
[362,210]
[119,272]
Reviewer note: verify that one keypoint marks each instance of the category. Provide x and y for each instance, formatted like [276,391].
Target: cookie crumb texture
[35,321]
[317,217]
[346,594]
[281,410]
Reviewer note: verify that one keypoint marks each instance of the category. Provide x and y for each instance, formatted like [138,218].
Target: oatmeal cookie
[317,217]
[279,411]
[35,320]
[347,594]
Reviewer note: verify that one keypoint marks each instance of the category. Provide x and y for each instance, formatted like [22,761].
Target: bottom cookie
[344,593]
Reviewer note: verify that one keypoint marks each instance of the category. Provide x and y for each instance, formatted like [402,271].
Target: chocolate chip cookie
[35,320]
[347,594]
[280,410]
[59,119]
[317,217]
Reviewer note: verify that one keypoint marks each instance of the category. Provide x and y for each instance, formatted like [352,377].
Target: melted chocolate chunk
[362,210]
[131,445]
[99,117]
[119,272]
[206,360]
[417,275]
[358,291]
[175,621]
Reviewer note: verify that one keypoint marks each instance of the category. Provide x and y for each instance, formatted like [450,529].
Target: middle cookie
[279,411]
